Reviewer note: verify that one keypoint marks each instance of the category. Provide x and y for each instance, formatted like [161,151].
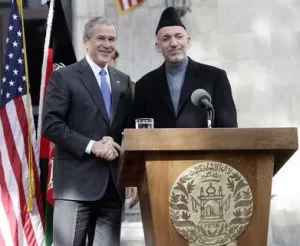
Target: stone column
[136,37]
[82,12]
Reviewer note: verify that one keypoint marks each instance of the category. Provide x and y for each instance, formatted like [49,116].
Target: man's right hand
[106,149]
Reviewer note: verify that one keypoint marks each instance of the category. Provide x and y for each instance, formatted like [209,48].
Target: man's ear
[189,42]
[157,47]
[85,42]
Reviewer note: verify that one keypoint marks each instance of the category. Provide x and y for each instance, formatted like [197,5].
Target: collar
[180,68]
[96,69]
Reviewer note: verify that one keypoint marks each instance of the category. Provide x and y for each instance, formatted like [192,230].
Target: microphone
[201,98]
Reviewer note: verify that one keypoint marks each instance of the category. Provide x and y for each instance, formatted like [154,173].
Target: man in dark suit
[113,63]
[87,106]
[165,93]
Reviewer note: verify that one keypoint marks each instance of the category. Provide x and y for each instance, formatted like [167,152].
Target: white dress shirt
[96,70]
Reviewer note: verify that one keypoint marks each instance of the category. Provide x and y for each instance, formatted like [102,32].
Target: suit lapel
[189,85]
[162,88]
[88,79]
[116,90]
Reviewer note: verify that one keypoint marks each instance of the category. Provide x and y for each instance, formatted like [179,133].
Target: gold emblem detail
[211,203]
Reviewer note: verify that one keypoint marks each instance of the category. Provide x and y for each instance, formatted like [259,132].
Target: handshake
[106,148]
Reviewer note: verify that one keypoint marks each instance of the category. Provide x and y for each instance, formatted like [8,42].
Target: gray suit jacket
[74,113]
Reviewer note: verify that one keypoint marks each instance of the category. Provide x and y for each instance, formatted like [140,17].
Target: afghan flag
[58,53]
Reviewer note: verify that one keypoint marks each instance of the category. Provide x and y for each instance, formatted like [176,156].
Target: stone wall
[256,42]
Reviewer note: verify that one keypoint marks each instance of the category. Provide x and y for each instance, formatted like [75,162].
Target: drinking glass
[144,123]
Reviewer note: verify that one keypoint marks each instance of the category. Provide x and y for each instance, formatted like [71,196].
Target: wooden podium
[152,159]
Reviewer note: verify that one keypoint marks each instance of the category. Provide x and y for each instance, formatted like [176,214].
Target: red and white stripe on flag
[20,224]
[126,6]
[17,225]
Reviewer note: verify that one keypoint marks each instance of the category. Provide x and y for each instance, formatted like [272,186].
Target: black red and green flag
[58,52]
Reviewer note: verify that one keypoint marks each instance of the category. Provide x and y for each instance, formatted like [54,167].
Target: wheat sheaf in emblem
[211,203]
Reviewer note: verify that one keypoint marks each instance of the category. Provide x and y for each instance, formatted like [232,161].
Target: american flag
[21,223]
[126,6]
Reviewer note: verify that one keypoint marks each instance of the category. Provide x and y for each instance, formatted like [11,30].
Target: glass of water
[144,123]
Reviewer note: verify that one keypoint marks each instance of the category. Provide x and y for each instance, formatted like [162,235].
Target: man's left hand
[133,193]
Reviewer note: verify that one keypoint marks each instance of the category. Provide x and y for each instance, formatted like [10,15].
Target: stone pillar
[136,37]
[82,12]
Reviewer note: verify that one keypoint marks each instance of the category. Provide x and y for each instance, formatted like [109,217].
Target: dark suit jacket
[153,98]
[74,113]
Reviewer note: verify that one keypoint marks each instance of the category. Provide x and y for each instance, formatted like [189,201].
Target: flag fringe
[30,200]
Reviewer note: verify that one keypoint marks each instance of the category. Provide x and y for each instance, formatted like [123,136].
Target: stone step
[131,214]
[133,243]
[132,233]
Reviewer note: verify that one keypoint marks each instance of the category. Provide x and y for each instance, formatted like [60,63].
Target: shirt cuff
[89,147]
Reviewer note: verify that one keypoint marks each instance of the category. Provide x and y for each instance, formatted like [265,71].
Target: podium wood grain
[153,159]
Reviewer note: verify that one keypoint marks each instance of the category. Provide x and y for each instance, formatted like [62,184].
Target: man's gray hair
[97,20]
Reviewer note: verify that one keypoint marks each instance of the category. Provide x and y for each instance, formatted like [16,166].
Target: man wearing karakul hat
[165,93]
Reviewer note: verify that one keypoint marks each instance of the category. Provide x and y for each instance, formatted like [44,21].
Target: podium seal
[211,203]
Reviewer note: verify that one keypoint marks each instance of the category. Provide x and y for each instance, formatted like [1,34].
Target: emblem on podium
[211,203]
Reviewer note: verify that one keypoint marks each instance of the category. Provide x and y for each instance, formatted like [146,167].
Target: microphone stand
[210,114]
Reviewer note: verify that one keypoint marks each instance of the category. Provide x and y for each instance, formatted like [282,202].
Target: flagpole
[30,202]
[44,71]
